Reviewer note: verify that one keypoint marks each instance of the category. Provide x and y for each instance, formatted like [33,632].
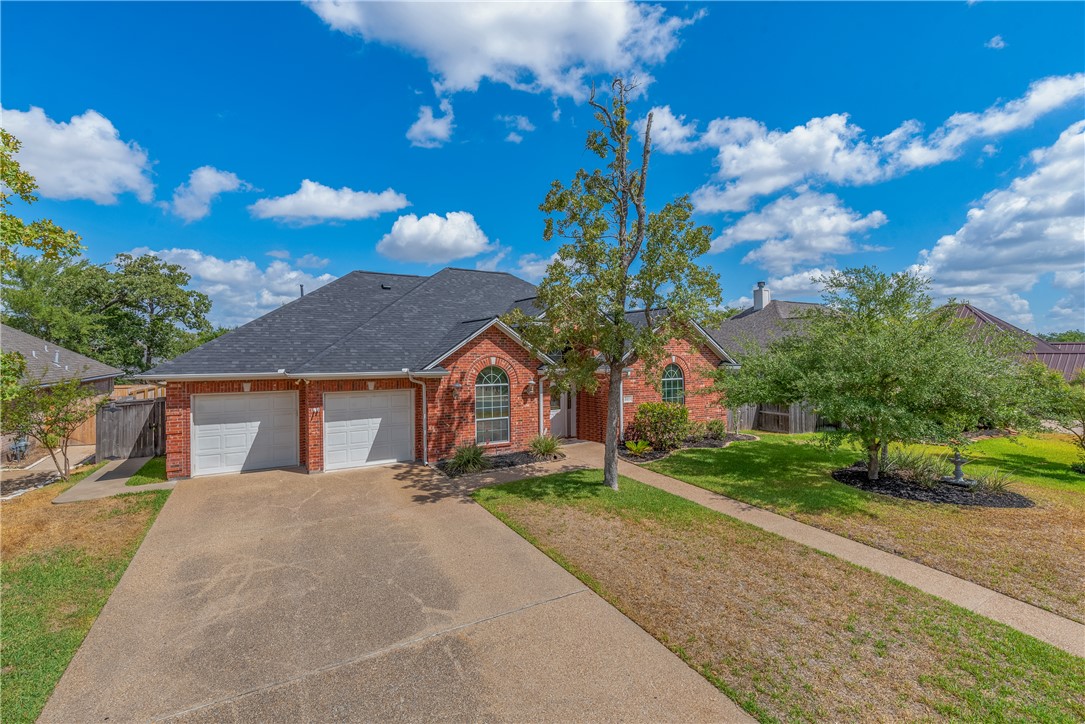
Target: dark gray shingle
[51,363]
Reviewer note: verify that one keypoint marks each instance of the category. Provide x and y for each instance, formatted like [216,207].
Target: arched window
[491,406]
[674,385]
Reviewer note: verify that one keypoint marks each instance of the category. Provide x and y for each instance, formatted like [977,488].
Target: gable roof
[51,363]
[978,317]
[761,326]
[362,323]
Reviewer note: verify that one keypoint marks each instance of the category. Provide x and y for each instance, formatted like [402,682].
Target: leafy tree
[50,415]
[155,308]
[1067,408]
[886,366]
[617,256]
[12,371]
[1070,335]
[43,235]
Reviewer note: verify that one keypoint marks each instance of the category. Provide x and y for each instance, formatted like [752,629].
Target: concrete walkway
[1044,625]
[109,480]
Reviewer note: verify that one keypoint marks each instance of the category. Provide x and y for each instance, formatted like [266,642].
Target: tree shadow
[432,486]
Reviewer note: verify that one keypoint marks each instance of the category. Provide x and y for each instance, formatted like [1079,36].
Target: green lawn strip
[153,471]
[969,667]
[50,600]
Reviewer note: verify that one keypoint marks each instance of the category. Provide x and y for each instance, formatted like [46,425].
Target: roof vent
[34,353]
[56,358]
[386,286]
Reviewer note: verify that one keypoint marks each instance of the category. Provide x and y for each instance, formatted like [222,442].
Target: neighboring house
[47,364]
[376,368]
[1066,358]
[756,328]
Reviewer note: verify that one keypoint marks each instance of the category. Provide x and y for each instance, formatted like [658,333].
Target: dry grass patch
[1033,554]
[787,632]
[60,564]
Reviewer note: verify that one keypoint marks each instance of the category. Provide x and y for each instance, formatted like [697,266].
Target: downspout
[541,430]
[425,417]
[621,410]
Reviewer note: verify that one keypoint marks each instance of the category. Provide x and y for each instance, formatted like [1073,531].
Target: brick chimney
[761,296]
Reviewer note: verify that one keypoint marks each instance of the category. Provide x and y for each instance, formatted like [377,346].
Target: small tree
[50,415]
[618,256]
[887,367]
[1067,409]
[12,371]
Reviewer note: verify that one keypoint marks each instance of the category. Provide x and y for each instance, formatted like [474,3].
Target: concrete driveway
[376,594]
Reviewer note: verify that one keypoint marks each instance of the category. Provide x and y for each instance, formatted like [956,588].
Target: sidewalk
[1044,625]
[109,480]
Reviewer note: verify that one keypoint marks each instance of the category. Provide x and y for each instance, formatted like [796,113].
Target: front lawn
[1034,554]
[60,564]
[153,471]
[785,631]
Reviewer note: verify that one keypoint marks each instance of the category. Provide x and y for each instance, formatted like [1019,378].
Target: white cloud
[514,137]
[1016,234]
[312,261]
[83,158]
[429,131]
[314,203]
[796,230]
[434,239]
[754,161]
[995,43]
[533,266]
[670,133]
[279,253]
[536,47]
[192,199]
[239,289]
[491,263]
[518,123]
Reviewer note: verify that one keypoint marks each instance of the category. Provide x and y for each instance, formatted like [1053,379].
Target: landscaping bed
[495,462]
[788,633]
[944,493]
[697,442]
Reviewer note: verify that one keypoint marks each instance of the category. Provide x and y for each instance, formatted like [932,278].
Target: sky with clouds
[270,145]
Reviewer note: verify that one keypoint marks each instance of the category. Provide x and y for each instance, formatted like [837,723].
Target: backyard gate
[131,429]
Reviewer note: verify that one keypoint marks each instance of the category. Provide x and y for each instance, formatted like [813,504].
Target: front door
[559,413]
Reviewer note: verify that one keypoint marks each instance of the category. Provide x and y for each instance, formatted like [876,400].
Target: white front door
[559,414]
[367,428]
[248,431]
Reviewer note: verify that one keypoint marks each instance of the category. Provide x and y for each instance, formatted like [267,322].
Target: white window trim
[508,398]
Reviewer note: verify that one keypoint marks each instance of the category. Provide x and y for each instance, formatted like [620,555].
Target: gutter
[425,415]
[283,375]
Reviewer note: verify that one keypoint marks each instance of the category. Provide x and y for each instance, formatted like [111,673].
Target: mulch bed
[711,442]
[28,481]
[855,476]
[505,460]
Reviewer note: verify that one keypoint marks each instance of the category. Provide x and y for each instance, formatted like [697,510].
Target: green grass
[53,594]
[154,471]
[786,632]
[1032,554]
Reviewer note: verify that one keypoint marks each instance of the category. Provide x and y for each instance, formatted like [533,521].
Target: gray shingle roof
[51,363]
[760,327]
[355,325]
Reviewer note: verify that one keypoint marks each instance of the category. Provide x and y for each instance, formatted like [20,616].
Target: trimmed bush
[468,459]
[663,424]
[546,447]
[697,431]
[717,429]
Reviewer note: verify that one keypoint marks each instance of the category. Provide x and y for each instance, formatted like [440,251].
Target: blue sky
[264,145]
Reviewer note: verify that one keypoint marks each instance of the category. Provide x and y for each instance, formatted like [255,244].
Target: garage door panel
[234,432]
[366,428]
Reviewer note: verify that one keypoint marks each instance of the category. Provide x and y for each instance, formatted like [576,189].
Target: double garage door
[252,431]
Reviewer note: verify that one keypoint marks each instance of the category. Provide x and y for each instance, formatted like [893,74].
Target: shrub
[717,429]
[916,467]
[468,459]
[662,424]
[638,447]
[546,447]
[995,481]
[1078,468]
[697,431]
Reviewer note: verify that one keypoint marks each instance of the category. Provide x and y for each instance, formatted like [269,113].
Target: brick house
[376,368]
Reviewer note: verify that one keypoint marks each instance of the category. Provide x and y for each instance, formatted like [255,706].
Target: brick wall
[694,359]
[452,410]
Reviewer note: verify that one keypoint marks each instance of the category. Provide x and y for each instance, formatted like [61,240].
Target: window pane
[673,387]
[492,406]
[496,430]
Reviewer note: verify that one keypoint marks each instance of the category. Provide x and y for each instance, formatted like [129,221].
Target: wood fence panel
[743,417]
[131,429]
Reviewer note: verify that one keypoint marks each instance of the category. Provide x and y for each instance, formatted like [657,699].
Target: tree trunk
[885,457]
[873,461]
[614,433]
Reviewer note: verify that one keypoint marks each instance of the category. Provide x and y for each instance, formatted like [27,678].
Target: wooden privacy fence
[774,418]
[131,429]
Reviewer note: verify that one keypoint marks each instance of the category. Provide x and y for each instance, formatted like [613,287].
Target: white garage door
[367,428]
[249,431]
